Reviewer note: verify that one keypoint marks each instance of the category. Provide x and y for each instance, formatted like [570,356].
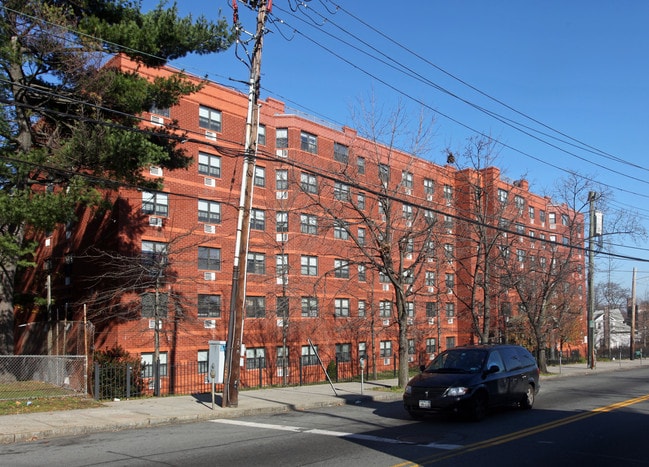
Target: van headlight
[408,390]
[457,391]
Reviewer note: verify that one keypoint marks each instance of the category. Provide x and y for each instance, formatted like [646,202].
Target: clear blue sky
[577,67]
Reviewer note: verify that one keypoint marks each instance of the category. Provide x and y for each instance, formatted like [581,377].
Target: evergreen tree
[69,124]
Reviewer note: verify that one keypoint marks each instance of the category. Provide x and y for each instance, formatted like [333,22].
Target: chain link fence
[33,376]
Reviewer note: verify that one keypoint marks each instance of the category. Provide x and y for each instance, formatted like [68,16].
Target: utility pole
[632,338]
[591,280]
[234,340]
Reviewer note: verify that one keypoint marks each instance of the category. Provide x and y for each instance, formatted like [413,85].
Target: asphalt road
[594,420]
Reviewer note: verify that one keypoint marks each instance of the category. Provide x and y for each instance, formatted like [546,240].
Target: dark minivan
[469,380]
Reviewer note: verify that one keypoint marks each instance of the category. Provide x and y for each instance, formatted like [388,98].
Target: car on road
[469,380]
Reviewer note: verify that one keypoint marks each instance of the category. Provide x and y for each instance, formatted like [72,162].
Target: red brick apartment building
[327,206]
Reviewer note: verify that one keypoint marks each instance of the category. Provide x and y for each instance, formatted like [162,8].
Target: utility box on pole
[216,357]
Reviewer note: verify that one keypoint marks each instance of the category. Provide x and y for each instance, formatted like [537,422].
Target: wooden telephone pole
[234,340]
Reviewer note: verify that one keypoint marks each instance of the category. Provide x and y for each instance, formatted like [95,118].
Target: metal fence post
[129,369]
[97,369]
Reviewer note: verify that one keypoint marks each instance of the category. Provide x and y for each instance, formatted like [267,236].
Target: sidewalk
[148,412]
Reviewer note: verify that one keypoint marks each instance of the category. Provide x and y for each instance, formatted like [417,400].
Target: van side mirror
[422,368]
[493,369]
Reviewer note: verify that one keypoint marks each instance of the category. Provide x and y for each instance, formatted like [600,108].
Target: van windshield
[458,361]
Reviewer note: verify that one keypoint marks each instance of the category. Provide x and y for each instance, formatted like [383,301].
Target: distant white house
[614,334]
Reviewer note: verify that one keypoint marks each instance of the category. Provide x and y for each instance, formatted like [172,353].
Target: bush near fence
[32,376]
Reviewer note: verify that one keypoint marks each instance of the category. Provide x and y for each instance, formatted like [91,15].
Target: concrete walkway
[148,412]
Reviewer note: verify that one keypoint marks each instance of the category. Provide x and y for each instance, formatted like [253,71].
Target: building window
[385,349]
[362,276]
[448,193]
[255,307]
[450,309]
[281,179]
[209,165]
[519,202]
[209,211]
[565,220]
[431,309]
[502,195]
[255,358]
[429,186]
[449,252]
[385,308]
[341,268]
[362,308]
[360,165]
[341,153]
[281,138]
[202,358]
[431,345]
[407,211]
[281,221]
[260,177]
[430,278]
[309,307]
[362,349]
[542,215]
[450,342]
[361,236]
[410,309]
[341,231]
[342,192]
[154,255]
[309,142]
[309,355]
[308,183]
[159,111]
[384,173]
[155,203]
[343,352]
[147,364]
[341,306]
[450,281]
[281,266]
[261,134]
[552,218]
[209,306]
[309,265]
[257,219]
[360,201]
[209,119]
[151,309]
[530,210]
[209,258]
[407,179]
[411,347]
[256,263]
[308,224]
[282,357]
[520,256]
[520,229]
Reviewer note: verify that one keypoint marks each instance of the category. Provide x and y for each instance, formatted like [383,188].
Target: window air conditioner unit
[411,358]
[280,322]
[410,321]
[429,197]
[282,153]
[431,289]
[282,237]
[210,182]
[157,120]
[450,321]
[152,324]
[408,192]
[155,221]
[386,322]
[386,361]
[431,321]
[408,256]
[209,324]
[386,287]
[209,228]
[210,135]
[209,276]
[281,195]
[155,170]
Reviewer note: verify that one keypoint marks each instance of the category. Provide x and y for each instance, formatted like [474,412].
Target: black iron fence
[118,381]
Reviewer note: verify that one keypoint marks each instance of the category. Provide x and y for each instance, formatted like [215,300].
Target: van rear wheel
[527,402]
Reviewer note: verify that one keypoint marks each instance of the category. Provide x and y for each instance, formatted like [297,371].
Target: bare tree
[386,232]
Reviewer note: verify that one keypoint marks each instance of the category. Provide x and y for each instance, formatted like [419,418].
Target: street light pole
[234,340]
[591,280]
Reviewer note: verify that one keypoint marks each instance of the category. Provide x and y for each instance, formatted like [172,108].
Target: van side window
[526,358]
[512,361]
[495,359]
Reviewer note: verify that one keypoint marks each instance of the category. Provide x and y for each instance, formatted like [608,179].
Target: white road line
[337,434]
